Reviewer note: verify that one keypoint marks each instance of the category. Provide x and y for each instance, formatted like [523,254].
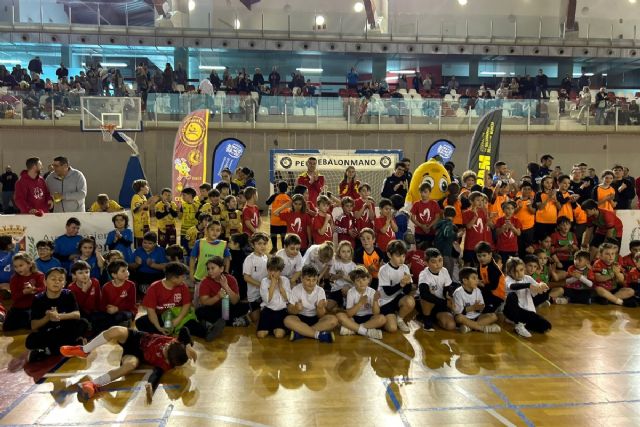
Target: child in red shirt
[425,214]
[385,226]
[633,276]
[508,229]
[564,243]
[297,219]
[580,279]
[415,257]
[364,209]
[346,223]
[118,299]
[160,351]
[609,279]
[87,292]
[216,286]
[25,283]
[475,219]
[322,224]
[251,220]
[171,295]
[628,261]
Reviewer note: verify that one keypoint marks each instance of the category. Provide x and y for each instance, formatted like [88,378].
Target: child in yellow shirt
[166,214]
[231,217]
[140,209]
[188,214]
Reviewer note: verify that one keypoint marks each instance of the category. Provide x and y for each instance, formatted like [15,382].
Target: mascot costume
[433,173]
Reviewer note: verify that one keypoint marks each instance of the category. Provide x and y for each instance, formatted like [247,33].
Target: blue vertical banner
[133,172]
[443,148]
[226,155]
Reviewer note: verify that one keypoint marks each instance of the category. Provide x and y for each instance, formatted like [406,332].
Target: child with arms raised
[307,308]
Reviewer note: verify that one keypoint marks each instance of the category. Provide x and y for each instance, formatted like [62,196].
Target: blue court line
[396,403]
[514,376]
[30,390]
[165,416]
[508,403]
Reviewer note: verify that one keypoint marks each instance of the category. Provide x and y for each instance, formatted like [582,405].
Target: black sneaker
[629,302]
[428,325]
[38,355]
[214,330]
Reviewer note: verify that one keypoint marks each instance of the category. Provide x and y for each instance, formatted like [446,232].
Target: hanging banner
[27,230]
[485,144]
[443,148]
[226,156]
[189,164]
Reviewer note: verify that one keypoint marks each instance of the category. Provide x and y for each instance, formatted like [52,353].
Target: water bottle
[225,307]
[168,321]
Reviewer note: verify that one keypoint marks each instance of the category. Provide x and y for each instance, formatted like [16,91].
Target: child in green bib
[207,248]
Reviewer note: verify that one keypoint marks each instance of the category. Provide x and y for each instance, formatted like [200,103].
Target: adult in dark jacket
[35,66]
[625,188]
[8,180]
[397,183]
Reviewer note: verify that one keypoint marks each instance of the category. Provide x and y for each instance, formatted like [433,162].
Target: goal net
[372,166]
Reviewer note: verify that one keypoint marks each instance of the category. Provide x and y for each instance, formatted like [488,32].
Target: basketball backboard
[124,112]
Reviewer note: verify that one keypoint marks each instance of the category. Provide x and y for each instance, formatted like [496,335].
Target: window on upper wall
[506,69]
[458,69]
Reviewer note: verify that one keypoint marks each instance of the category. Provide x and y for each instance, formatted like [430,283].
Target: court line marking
[139,385]
[166,415]
[509,404]
[519,376]
[89,373]
[396,403]
[460,390]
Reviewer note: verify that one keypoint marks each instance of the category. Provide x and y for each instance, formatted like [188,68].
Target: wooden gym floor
[585,372]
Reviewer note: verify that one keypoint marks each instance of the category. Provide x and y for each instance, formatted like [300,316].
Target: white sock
[94,343]
[362,330]
[317,334]
[102,380]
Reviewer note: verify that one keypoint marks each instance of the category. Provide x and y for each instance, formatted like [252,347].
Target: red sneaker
[73,351]
[86,390]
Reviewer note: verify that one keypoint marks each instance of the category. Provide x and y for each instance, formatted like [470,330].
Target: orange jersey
[526,218]
[549,213]
[601,194]
[280,200]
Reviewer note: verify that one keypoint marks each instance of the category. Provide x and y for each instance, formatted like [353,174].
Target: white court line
[123,414]
[459,389]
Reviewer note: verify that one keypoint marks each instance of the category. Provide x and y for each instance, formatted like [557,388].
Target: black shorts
[428,238]
[392,306]
[132,347]
[362,319]
[437,309]
[255,305]
[543,230]
[337,296]
[578,296]
[271,319]
[309,320]
[278,229]
[599,239]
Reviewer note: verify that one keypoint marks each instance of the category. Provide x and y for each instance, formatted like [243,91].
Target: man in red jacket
[32,195]
[312,180]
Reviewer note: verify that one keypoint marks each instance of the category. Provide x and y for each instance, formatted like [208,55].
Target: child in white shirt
[394,285]
[468,305]
[275,292]
[339,276]
[290,253]
[363,307]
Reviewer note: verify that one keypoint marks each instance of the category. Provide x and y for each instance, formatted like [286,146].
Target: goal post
[372,166]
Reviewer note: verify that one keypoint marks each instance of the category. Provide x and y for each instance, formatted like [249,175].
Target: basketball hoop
[107,131]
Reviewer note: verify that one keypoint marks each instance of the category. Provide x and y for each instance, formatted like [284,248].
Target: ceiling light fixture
[310,70]
[402,72]
[492,73]
[192,5]
[236,24]
[358,7]
[320,20]
[211,67]
[462,2]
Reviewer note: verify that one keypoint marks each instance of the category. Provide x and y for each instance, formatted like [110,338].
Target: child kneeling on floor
[160,351]
[363,307]
[468,305]
[308,310]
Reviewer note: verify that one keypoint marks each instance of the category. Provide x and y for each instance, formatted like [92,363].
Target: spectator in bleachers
[37,84]
[584,103]
[584,81]
[634,113]
[35,66]
[214,79]
[167,79]
[6,79]
[274,81]
[527,87]
[427,83]
[402,82]
[181,78]
[453,84]
[542,85]
[514,87]
[62,72]
[567,83]
[20,74]
[258,78]
[417,81]
[601,105]
[352,79]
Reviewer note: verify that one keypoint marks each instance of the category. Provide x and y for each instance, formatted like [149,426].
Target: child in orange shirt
[277,225]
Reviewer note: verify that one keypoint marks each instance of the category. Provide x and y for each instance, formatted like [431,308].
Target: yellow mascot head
[433,173]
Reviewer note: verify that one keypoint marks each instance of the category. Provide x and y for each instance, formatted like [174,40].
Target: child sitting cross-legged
[580,279]
[362,316]
[307,308]
[610,285]
[275,291]
[468,305]
[395,286]
[434,287]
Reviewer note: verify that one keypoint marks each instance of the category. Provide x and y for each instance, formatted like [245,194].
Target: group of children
[520,250]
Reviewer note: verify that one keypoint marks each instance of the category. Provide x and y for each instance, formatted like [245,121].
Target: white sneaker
[464,329]
[522,331]
[403,326]
[374,333]
[544,304]
[561,300]
[491,329]
[346,331]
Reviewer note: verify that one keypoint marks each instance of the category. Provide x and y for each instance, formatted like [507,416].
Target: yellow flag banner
[485,145]
[190,153]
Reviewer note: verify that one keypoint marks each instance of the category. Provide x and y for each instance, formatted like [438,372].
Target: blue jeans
[7,199]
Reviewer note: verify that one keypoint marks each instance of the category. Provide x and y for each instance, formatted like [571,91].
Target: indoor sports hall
[349,213]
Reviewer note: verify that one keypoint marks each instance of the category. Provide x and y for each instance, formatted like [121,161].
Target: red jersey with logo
[560,241]
[599,267]
[578,284]
[478,231]
[507,241]
[384,234]
[17,283]
[365,221]
[298,223]
[123,297]
[210,287]
[415,261]
[250,214]
[605,221]
[426,213]
[633,277]
[152,346]
[161,299]
[89,302]
[627,263]
[316,225]
[345,223]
